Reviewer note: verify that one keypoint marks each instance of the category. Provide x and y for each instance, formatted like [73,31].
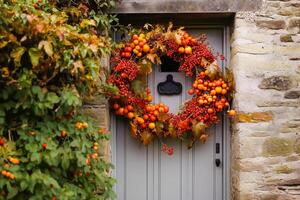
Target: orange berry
[78,125]
[146,48]
[181,50]
[201,101]
[213,92]
[210,110]
[218,83]
[121,111]
[116,106]
[188,50]
[152,118]
[166,109]
[85,125]
[191,91]
[136,42]
[146,117]
[224,91]
[224,85]
[218,90]
[135,37]
[231,113]
[161,109]
[130,108]
[130,115]
[140,120]
[151,125]
[149,98]
[156,113]
[148,108]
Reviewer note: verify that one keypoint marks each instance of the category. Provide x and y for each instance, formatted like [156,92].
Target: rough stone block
[294,23]
[284,169]
[97,100]
[276,82]
[254,117]
[271,24]
[297,146]
[99,113]
[287,103]
[275,146]
[294,94]
[286,38]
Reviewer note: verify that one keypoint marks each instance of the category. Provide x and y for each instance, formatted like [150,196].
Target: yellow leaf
[87,22]
[3,44]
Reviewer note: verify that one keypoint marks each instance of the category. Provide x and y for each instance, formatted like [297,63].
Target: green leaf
[35,157]
[52,97]
[16,54]
[12,192]
[2,117]
[34,55]
[65,163]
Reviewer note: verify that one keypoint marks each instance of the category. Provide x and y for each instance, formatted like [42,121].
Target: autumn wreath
[132,61]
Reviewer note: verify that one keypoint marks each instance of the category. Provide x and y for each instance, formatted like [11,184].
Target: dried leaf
[198,129]
[138,87]
[133,129]
[146,137]
[47,47]
[154,58]
[203,138]
[145,67]
[163,116]
[213,70]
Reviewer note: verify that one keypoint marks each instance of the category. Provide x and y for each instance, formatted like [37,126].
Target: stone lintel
[190,6]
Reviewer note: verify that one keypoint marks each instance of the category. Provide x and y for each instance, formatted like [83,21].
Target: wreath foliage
[133,60]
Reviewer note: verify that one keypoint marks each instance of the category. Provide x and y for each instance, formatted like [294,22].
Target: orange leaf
[146,137]
[133,129]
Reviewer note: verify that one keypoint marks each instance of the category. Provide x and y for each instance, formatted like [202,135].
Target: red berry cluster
[168,150]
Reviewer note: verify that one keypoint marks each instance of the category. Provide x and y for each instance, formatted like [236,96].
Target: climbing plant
[50,54]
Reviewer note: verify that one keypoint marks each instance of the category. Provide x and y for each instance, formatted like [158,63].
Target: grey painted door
[146,173]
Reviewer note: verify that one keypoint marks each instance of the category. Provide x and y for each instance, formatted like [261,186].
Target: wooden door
[146,173]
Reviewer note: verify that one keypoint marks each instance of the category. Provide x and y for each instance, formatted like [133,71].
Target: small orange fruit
[218,89]
[130,115]
[146,48]
[181,50]
[140,120]
[231,113]
[188,50]
[210,110]
[151,125]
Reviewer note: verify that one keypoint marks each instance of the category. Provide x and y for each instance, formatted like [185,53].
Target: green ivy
[50,53]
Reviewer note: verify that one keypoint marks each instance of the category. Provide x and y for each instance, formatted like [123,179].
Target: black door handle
[218,162]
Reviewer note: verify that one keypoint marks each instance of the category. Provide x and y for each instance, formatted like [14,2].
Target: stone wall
[265,58]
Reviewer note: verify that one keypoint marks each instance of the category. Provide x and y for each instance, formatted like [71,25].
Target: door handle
[218,162]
